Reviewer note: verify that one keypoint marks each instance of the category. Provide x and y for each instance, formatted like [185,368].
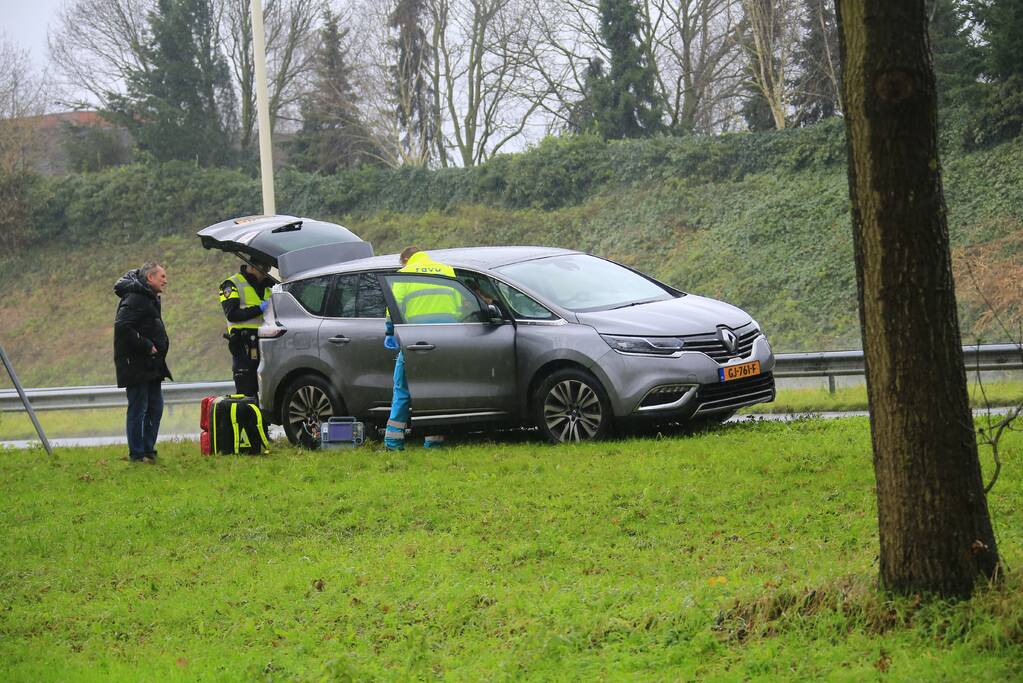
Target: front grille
[730,395]
[715,348]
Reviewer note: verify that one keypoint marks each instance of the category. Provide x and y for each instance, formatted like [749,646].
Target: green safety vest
[427,301]
[248,297]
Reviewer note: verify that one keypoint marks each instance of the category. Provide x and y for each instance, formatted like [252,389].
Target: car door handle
[420,346]
[339,339]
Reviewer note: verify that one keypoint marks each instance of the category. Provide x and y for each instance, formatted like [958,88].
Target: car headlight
[655,346]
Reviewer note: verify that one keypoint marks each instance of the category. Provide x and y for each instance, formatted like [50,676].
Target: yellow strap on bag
[234,427]
[259,426]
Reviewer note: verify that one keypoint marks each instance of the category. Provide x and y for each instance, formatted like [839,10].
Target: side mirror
[494,314]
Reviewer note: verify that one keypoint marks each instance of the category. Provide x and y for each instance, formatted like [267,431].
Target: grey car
[566,341]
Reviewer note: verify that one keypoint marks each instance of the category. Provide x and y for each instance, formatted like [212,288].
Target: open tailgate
[290,244]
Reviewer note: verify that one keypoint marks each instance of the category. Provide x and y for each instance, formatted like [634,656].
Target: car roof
[473,258]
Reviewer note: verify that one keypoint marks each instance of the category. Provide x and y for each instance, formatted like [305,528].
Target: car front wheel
[570,405]
[308,402]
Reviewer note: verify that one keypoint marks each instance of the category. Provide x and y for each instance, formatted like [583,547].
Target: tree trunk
[935,531]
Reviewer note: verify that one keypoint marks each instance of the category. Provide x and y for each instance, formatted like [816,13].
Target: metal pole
[266,164]
[24,400]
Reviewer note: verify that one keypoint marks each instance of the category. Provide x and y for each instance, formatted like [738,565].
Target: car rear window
[311,293]
[356,296]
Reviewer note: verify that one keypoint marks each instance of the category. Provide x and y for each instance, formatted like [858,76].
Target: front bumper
[684,386]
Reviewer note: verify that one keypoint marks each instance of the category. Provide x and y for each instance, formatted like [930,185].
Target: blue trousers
[401,412]
[145,409]
[401,408]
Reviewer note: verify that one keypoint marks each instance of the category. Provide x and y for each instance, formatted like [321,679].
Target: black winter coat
[138,327]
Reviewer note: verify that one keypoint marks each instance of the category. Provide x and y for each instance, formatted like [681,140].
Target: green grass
[746,553]
[818,400]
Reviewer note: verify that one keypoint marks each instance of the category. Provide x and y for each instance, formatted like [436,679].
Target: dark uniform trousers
[242,297]
[244,347]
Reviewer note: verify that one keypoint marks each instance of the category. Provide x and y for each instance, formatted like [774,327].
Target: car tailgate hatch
[289,243]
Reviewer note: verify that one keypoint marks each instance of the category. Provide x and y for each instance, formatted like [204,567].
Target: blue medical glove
[390,342]
[263,305]
[388,327]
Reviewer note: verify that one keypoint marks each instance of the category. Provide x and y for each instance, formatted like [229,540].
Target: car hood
[685,315]
[289,243]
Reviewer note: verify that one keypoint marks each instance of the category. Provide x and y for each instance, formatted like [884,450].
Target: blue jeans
[145,408]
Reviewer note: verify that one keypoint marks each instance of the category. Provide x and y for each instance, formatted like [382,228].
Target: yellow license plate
[740,371]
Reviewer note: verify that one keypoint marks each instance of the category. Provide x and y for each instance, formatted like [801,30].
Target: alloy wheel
[309,407]
[572,411]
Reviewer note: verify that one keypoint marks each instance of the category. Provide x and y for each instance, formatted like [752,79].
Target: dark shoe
[149,458]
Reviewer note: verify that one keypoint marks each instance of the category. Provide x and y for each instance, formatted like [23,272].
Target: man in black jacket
[140,355]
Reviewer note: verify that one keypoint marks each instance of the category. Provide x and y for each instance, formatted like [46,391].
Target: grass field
[745,553]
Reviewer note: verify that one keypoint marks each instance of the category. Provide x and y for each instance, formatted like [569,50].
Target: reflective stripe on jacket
[426,302]
[249,297]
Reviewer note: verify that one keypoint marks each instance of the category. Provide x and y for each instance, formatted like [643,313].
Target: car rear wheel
[570,405]
[308,402]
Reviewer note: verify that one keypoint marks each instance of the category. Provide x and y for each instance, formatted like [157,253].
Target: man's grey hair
[148,267]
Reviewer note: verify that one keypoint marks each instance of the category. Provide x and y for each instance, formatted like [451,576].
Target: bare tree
[97,43]
[369,45]
[694,45]
[566,38]
[23,95]
[479,77]
[290,32]
[773,34]
[933,522]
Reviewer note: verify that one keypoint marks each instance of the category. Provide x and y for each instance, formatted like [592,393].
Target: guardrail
[832,364]
[829,364]
[73,398]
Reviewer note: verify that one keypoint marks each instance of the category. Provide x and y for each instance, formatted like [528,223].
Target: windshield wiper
[634,303]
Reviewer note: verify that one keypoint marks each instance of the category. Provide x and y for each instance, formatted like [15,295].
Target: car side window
[433,300]
[522,306]
[371,297]
[311,293]
[342,300]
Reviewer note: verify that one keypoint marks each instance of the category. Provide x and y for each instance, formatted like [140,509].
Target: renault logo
[728,338]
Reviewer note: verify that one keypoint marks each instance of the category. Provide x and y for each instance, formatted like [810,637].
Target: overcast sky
[24,23]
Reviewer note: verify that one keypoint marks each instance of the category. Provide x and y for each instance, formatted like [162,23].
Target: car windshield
[581,283]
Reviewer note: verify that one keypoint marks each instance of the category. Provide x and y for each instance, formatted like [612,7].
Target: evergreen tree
[333,135]
[182,106]
[621,103]
[815,90]
[413,94]
[1001,24]
[956,59]
[581,115]
[1001,63]
[756,111]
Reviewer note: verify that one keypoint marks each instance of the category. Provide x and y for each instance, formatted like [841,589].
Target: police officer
[244,297]
[420,303]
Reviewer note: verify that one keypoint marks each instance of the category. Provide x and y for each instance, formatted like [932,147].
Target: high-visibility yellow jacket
[247,297]
[427,301]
